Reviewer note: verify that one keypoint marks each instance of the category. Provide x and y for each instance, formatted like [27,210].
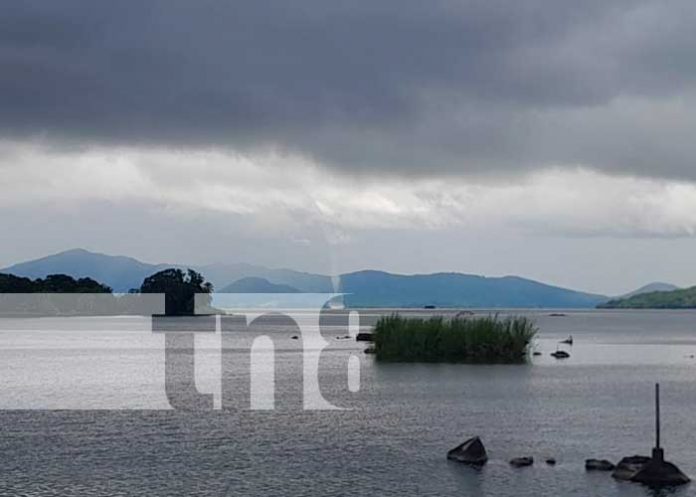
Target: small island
[482,340]
[675,299]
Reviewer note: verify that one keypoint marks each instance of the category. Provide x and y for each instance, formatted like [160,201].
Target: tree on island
[180,289]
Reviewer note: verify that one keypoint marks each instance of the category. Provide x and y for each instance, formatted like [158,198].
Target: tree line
[54,283]
[180,287]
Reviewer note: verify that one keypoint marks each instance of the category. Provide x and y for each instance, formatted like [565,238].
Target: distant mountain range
[120,273]
[362,288]
[123,273]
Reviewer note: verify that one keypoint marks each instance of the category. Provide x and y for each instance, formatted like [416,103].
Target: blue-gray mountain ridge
[362,288]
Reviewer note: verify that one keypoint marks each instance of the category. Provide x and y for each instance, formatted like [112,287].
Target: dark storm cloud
[380,85]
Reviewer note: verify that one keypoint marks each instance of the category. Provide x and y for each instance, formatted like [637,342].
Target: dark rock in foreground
[470,452]
[520,462]
[661,474]
[598,465]
[364,337]
[653,471]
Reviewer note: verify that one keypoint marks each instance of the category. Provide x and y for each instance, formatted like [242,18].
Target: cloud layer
[573,227]
[547,138]
[281,193]
[376,87]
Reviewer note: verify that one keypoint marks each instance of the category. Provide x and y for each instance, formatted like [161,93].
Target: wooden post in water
[657,415]
[658,453]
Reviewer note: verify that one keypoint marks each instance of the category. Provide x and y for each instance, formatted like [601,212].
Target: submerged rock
[660,474]
[560,354]
[470,452]
[599,465]
[520,462]
[370,350]
[629,466]
[551,461]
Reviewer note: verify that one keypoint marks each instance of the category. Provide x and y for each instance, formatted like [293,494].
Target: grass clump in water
[482,340]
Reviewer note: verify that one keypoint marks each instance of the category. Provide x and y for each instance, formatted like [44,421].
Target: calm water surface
[391,441]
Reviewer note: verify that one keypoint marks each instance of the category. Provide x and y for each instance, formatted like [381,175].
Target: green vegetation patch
[676,299]
[483,340]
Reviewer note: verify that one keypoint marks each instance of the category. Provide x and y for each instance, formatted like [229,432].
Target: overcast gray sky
[551,139]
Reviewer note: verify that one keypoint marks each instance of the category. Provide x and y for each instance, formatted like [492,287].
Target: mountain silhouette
[257,285]
[362,288]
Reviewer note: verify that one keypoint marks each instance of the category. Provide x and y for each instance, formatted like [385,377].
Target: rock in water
[660,474]
[520,462]
[598,465]
[470,452]
[629,466]
[551,461]
[364,337]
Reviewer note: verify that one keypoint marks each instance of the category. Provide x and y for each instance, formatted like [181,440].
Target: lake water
[113,435]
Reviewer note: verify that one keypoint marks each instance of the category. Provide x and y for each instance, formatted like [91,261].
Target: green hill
[676,299]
